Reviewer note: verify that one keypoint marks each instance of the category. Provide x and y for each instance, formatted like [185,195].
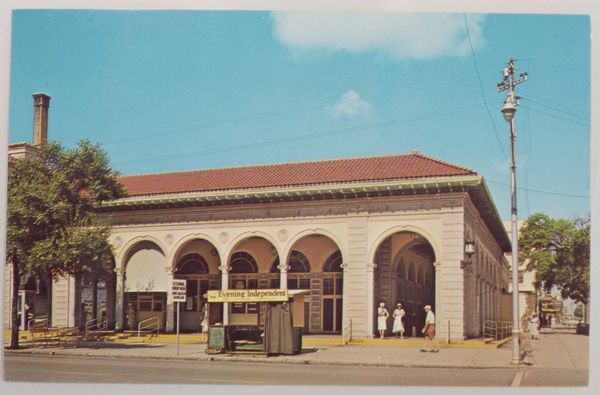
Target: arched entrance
[405,274]
[315,263]
[197,262]
[251,262]
[146,284]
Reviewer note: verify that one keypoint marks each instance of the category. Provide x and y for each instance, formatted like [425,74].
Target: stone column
[225,285]
[370,298]
[120,300]
[438,290]
[283,267]
[170,315]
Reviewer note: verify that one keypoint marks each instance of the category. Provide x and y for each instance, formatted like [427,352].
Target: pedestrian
[533,326]
[131,317]
[382,316]
[398,314]
[429,331]
[205,328]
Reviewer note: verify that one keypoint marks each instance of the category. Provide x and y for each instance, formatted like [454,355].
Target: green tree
[559,251]
[578,311]
[51,226]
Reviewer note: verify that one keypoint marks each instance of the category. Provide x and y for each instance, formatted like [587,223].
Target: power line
[584,123]
[556,103]
[272,113]
[481,87]
[559,108]
[541,191]
[290,139]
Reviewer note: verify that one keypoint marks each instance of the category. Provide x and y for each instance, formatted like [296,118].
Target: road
[29,367]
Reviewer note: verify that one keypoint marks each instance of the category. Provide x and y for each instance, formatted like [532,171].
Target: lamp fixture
[469,251]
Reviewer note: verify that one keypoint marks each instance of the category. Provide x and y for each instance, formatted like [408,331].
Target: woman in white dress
[533,326]
[382,316]
[398,328]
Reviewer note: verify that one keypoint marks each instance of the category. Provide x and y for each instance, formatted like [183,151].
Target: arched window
[298,263]
[274,266]
[333,263]
[411,271]
[192,264]
[420,275]
[242,262]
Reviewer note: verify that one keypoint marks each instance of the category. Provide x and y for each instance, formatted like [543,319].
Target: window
[298,263]
[242,262]
[147,301]
[333,263]
[192,264]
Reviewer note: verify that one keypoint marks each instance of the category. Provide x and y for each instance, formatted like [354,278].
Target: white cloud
[350,105]
[399,35]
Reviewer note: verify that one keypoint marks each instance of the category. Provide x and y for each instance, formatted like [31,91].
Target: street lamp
[469,251]
[508,111]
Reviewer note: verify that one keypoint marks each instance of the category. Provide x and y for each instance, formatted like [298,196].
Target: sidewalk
[563,350]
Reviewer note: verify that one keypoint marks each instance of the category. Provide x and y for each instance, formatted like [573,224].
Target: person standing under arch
[398,314]
[382,316]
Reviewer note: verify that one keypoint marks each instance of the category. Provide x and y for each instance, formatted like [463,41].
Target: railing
[497,330]
[347,333]
[96,323]
[37,324]
[148,326]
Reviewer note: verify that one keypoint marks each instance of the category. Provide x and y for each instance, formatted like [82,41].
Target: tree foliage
[51,226]
[559,251]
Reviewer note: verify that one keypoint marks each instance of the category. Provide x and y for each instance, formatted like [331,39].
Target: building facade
[355,232]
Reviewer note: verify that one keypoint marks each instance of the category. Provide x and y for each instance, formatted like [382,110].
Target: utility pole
[508,110]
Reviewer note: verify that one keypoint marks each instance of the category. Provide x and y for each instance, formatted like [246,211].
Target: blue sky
[167,91]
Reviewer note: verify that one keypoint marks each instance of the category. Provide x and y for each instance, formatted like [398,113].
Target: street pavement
[69,369]
[554,350]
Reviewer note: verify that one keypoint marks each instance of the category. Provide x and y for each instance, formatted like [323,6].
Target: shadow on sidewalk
[90,345]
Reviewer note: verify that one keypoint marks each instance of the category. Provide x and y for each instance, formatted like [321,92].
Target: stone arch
[127,247]
[236,241]
[413,252]
[323,307]
[404,228]
[183,241]
[315,231]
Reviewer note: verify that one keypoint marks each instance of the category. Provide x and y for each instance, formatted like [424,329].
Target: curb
[263,359]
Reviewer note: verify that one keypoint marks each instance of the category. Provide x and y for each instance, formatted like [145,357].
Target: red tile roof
[393,167]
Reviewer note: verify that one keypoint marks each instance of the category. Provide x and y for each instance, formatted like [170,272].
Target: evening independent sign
[248,295]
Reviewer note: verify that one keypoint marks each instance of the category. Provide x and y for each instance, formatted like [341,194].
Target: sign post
[179,293]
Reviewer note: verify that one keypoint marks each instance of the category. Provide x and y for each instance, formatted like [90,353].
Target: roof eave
[304,190]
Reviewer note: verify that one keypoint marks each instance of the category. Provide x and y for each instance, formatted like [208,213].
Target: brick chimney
[41,103]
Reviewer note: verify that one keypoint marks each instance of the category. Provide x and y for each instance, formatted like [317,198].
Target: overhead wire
[481,87]
[289,139]
[572,195]
[273,113]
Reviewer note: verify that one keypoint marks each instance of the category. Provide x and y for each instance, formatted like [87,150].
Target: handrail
[96,323]
[497,330]
[152,322]
[40,322]
[347,333]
